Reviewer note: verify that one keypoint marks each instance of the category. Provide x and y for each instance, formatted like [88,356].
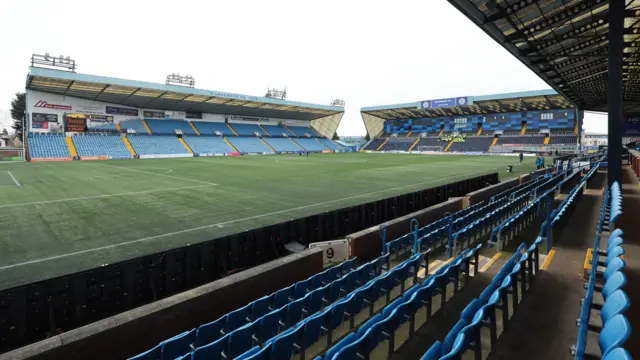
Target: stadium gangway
[504,293]
[383,327]
[610,281]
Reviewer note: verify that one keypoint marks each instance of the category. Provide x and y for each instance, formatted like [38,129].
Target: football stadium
[160,221]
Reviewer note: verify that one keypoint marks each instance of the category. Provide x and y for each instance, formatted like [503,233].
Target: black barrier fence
[33,312]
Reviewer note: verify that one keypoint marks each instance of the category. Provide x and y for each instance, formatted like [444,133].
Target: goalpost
[11,154]
[430,148]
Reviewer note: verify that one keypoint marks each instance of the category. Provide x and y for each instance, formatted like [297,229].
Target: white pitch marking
[153,173]
[150,238]
[102,196]
[14,179]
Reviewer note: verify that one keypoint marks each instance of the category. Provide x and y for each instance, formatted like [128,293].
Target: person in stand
[541,161]
[521,157]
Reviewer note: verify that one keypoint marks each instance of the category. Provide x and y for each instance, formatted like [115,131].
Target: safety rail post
[383,237]
[449,220]
[549,199]
[413,227]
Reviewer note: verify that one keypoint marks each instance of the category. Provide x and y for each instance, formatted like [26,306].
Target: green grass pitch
[59,218]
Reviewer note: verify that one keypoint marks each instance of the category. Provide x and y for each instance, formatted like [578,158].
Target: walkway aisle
[544,325]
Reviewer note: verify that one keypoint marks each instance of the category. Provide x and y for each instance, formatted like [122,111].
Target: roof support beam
[543,24]
[614,96]
[101,91]
[69,87]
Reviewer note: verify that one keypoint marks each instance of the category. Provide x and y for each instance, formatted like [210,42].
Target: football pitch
[59,218]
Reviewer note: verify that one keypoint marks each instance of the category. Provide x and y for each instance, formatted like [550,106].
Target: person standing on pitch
[521,157]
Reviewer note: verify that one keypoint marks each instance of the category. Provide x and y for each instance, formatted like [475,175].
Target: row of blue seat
[427,235]
[298,339]
[259,308]
[615,329]
[444,235]
[521,189]
[479,228]
[513,280]
[560,216]
[383,326]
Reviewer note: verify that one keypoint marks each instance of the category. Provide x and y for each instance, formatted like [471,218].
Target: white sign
[333,251]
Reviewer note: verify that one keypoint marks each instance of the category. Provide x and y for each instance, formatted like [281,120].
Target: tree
[18,109]
[335,136]
[5,132]
[366,137]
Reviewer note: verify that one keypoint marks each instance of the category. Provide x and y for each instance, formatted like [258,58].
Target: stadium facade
[531,121]
[87,117]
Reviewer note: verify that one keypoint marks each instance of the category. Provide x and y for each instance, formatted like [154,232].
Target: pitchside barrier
[36,311]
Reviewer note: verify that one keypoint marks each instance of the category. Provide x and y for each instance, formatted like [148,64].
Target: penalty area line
[220,224]
[14,179]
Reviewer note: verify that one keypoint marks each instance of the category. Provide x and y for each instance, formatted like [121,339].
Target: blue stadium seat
[283,144]
[240,340]
[249,354]
[351,337]
[247,129]
[48,146]
[169,126]
[210,332]
[211,351]
[434,352]
[178,345]
[111,146]
[311,144]
[617,303]
[270,325]
[208,145]
[614,334]
[615,282]
[618,354]
[152,354]
[157,145]
[210,128]
[260,307]
[282,346]
[281,297]
[249,145]
[237,319]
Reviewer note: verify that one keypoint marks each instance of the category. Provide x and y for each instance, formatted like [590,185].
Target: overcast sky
[365,52]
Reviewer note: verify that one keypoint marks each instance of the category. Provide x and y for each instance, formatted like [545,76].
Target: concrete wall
[140,329]
[367,244]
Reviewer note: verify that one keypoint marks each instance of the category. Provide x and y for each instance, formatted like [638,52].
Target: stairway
[194,128]
[266,143]
[72,146]
[265,130]
[448,146]
[479,130]
[547,139]
[230,144]
[494,142]
[441,132]
[414,144]
[232,129]
[118,127]
[127,143]
[295,142]
[144,122]
[380,147]
[186,146]
[524,129]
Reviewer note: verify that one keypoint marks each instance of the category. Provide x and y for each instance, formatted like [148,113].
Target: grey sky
[365,52]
